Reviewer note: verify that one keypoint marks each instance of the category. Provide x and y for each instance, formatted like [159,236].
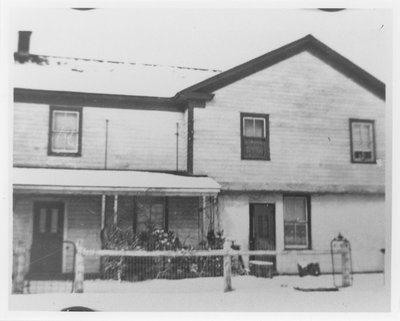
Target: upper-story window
[65,131]
[255,136]
[362,141]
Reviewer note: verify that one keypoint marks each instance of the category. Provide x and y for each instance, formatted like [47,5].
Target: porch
[52,206]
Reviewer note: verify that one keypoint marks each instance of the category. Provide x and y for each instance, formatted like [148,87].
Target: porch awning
[78,181]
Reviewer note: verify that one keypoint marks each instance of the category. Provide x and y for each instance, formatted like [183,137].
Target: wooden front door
[262,229]
[46,251]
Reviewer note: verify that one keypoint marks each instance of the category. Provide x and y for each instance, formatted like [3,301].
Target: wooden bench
[261,268]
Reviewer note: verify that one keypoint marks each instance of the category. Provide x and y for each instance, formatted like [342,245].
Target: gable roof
[307,43]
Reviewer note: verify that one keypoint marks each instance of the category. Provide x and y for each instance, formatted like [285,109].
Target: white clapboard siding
[138,139]
[309,106]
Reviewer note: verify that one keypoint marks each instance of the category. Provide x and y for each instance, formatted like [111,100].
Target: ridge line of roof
[306,43]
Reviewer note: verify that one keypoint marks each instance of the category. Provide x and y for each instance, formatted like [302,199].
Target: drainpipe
[177,146]
[106,146]
[190,134]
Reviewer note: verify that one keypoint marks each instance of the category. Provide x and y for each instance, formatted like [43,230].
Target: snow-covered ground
[368,293]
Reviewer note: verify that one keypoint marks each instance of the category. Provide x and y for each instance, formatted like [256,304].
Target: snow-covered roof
[80,181]
[104,77]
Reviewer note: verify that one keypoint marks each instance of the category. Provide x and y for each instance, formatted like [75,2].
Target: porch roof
[83,181]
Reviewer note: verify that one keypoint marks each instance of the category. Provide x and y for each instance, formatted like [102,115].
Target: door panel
[46,251]
[262,230]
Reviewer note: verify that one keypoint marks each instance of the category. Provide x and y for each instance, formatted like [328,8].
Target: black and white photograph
[216,158]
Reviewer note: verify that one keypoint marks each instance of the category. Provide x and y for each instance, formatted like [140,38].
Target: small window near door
[362,141]
[65,131]
[255,136]
[296,222]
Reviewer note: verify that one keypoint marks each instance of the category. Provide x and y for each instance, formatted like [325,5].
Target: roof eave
[51,97]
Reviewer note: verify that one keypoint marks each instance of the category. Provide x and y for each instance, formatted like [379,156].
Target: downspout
[106,146]
[190,135]
[177,146]
[192,100]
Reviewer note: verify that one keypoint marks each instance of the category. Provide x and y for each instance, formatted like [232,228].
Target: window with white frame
[362,141]
[296,222]
[255,136]
[65,131]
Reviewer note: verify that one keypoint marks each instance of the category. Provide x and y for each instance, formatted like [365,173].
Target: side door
[262,229]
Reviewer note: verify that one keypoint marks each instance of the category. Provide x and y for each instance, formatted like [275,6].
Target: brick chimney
[23,42]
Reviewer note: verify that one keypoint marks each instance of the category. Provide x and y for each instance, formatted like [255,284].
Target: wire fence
[139,265]
[135,269]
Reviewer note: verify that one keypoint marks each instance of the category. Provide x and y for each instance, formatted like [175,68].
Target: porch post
[216,213]
[103,211]
[18,282]
[203,231]
[115,209]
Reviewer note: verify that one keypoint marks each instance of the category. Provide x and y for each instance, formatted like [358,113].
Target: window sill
[297,249]
[363,162]
[64,154]
[256,159]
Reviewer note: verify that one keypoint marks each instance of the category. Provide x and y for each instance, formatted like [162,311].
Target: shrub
[155,239]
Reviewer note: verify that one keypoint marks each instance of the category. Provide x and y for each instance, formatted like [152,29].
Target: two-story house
[282,152]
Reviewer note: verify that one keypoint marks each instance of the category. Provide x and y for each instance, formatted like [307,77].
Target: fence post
[346,268]
[227,266]
[79,268]
[18,282]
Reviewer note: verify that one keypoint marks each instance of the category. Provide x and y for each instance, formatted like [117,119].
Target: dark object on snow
[263,269]
[78,309]
[311,269]
[331,9]
[316,289]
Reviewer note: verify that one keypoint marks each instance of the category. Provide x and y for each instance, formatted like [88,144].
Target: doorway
[262,230]
[47,241]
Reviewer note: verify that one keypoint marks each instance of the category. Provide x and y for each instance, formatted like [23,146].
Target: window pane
[368,156]
[58,120]
[65,131]
[71,122]
[248,127]
[42,220]
[356,131]
[289,234]
[65,121]
[65,142]
[362,137]
[54,220]
[366,137]
[301,233]
[259,128]
[295,209]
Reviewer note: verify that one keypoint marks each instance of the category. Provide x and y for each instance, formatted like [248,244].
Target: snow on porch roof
[74,181]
